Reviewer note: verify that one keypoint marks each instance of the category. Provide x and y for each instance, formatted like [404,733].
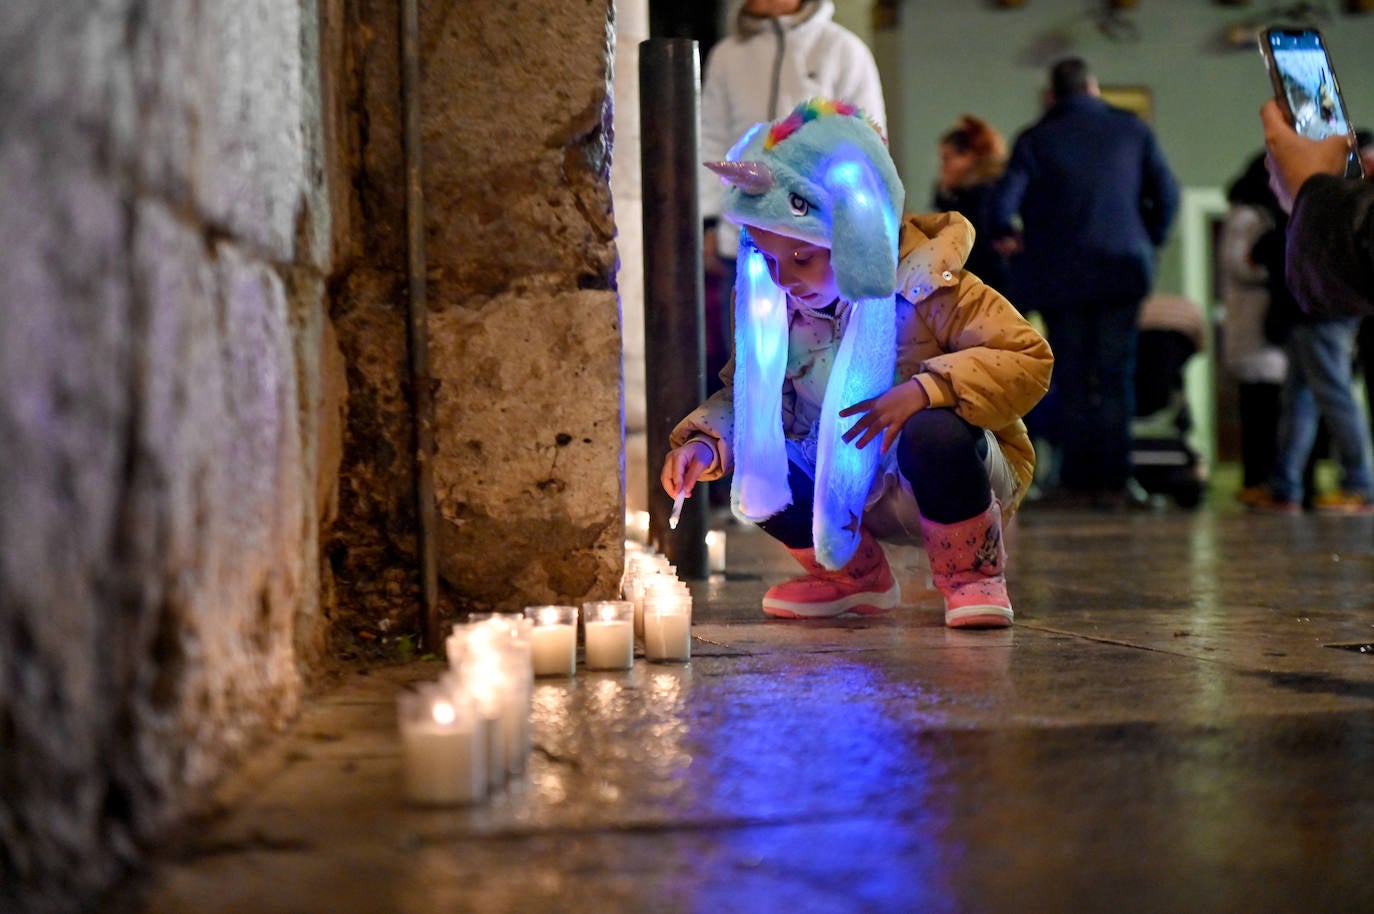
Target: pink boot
[864,585]
[966,561]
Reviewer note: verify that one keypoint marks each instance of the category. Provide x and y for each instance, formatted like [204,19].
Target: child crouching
[876,388]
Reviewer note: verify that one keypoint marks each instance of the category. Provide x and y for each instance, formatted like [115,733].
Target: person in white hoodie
[779,54]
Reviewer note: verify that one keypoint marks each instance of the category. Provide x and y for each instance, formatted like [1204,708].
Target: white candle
[609,627]
[637,525]
[493,666]
[667,621]
[668,636]
[634,592]
[715,551]
[555,650]
[444,755]
[496,749]
[553,639]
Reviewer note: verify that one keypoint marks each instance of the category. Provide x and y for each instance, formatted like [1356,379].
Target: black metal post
[417,335]
[674,327]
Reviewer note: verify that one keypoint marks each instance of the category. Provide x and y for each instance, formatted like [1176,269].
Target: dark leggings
[939,453]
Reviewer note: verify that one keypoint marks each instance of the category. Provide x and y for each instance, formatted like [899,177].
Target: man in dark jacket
[1095,198]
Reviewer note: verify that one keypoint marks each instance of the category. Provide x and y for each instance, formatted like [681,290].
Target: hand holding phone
[1305,87]
[1293,159]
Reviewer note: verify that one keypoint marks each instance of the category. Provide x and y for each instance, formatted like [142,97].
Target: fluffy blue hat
[823,175]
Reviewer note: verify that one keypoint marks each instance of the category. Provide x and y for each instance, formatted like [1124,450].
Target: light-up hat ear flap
[759,488]
[864,226]
[863,369]
[863,255]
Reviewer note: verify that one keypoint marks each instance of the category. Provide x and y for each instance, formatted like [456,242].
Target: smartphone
[1305,85]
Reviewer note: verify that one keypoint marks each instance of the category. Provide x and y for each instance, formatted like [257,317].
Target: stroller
[1171,333]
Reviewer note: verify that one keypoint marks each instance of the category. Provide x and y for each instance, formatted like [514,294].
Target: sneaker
[813,597]
[1266,503]
[865,585]
[1342,503]
[1252,495]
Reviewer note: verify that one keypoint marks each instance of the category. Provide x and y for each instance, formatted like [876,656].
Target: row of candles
[464,735]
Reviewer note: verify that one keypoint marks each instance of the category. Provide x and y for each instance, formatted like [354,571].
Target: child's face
[800,268]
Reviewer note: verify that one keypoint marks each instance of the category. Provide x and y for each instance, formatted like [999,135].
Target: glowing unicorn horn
[753,178]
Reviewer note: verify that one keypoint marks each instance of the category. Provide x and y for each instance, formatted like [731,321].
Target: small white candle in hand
[677,510]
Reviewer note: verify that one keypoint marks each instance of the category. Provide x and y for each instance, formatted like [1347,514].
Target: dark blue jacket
[1095,198]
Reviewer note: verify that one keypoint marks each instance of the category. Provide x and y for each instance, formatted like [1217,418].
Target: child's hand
[683,466]
[886,414]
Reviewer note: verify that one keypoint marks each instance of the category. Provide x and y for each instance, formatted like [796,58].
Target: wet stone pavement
[1172,725]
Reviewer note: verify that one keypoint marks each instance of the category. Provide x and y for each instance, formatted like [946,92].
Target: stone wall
[165,364]
[524,321]
[202,263]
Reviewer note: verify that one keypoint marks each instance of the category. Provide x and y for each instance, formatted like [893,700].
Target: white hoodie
[764,69]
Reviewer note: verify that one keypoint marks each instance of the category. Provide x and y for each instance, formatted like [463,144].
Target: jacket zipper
[777,70]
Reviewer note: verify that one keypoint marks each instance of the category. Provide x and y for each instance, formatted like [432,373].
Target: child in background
[876,389]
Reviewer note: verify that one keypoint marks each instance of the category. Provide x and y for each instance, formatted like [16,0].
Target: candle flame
[444,713]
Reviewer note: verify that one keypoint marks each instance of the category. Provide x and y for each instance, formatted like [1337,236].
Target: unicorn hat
[822,174]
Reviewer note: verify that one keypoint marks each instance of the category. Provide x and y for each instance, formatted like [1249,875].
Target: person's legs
[792,525]
[1072,341]
[864,585]
[1297,428]
[1364,358]
[944,458]
[1113,364]
[1326,354]
[1259,410]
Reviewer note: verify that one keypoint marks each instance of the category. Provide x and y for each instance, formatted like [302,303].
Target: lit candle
[715,551]
[609,628]
[667,621]
[553,639]
[492,661]
[637,525]
[444,755]
[638,568]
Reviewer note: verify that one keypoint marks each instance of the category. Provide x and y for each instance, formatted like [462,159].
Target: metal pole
[674,334]
[417,336]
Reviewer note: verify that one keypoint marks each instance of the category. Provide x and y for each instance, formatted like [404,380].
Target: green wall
[946,58]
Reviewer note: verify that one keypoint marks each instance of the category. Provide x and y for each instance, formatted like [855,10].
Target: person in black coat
[1094,198]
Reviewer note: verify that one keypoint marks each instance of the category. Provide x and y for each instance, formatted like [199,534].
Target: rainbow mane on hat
[809,111]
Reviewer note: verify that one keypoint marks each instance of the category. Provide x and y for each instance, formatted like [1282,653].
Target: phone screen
[1301,71]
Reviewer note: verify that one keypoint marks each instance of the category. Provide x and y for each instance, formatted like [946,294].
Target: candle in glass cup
[553,639]
[715,551]
[608,627]
[483,667]
[444,752]
[667,621]
[638,568]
